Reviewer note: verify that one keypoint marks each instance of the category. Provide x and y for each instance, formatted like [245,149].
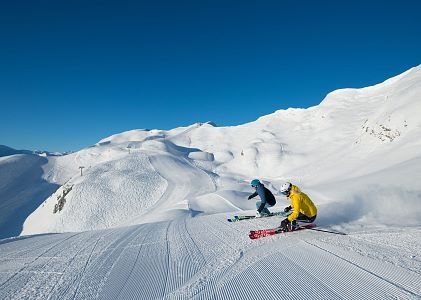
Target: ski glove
[249,197]
[287,209]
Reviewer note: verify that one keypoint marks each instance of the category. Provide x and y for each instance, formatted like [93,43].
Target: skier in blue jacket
[266,198]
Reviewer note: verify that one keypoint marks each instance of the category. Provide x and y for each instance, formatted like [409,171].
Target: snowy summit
[143,214]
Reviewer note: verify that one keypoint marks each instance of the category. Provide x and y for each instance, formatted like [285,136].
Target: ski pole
[327,231]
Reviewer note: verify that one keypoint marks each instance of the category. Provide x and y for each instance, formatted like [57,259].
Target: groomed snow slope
[209,258]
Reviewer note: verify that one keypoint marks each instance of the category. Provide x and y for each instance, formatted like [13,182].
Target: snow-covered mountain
[356,142]
[357,155]
[6,151]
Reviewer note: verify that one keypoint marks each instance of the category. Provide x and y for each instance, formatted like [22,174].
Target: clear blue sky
[74,72]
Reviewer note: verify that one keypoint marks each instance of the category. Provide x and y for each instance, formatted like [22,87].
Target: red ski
[256,234]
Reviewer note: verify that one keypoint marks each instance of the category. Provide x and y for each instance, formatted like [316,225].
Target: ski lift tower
[81,167]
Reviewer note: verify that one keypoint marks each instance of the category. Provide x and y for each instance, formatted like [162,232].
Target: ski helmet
[286,188]
[255,182]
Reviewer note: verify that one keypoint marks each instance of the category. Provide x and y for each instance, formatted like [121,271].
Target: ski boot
[293,226]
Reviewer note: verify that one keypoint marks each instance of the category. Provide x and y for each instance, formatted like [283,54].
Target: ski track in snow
[203,258]
[180,176]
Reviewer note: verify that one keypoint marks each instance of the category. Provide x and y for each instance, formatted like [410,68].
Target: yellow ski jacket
[301,203]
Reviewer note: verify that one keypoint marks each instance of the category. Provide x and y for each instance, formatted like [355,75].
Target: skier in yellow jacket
[304,208]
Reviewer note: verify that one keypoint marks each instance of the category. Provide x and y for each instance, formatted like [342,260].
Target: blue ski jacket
[265,195]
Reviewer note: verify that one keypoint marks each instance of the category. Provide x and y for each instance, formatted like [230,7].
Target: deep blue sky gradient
[74,72]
